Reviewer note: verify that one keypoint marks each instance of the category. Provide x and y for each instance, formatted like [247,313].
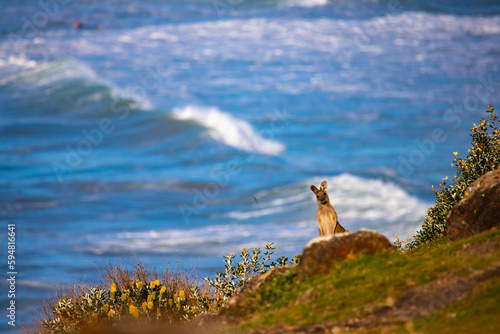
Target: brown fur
[327,217]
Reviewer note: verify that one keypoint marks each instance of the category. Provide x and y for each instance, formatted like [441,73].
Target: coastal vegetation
[430,284]
[482,157]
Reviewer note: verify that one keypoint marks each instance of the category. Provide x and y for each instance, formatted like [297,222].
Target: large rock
[479,209]
[321,252]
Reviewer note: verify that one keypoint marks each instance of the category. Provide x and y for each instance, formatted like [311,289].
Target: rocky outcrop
[321,252]
[479,209]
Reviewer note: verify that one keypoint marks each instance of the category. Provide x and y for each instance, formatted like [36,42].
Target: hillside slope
[439,287]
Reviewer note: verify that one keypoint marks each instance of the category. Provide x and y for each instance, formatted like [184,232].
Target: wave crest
[229,130]
[63,78]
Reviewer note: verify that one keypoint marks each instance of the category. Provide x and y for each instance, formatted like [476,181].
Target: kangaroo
[327,217]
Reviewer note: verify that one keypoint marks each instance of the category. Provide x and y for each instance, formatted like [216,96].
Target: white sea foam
[18,60]
[361,198]
[306,3]
[229,130]
[207,241]
[262,41]
[359,202]
[376,204]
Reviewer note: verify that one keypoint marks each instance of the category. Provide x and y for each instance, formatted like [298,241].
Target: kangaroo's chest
[326,218]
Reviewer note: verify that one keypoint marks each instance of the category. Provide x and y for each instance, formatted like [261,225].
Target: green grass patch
[479,313]
[362,285]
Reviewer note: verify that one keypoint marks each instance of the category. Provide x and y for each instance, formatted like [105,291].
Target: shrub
[123,296]
[483,156]
[126,297]
[403,245]
[236,275]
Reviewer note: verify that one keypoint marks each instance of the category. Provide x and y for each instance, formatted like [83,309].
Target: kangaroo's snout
[322,197]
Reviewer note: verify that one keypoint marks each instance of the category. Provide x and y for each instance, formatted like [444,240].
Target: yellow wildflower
[163,289]
[144,306]
[112,294]
[124,296]
[455,153]
[170,302]
[150,298]
[113,287]
[105,307]
[131,309]
[111,313]
[150,305]
[157,282]
[152,285]
[139,285]
[130,300]
[181,294]
[136,314]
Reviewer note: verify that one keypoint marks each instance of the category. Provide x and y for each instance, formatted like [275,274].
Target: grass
[360,286]
[352,289]
[476,314]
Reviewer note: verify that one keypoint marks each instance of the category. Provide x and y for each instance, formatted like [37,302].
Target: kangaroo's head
[321,195]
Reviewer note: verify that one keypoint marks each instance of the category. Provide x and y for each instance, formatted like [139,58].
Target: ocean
[180,131]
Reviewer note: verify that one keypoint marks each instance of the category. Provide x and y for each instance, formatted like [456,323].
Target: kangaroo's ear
[314,189]
[324,185]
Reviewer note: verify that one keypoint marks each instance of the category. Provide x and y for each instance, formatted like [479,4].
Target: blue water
[148,136]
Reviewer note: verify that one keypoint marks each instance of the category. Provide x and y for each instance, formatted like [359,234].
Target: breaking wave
[229,130]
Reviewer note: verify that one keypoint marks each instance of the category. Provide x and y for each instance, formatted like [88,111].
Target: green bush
[129,297]
[484,156]
[236,275]
[122,297]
